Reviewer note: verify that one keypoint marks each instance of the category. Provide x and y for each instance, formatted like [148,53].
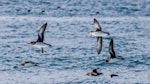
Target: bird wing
[97,25]
[111,49]
[41,33]
[99,45]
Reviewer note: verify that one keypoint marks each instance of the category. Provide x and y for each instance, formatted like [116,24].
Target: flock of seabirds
[98,33]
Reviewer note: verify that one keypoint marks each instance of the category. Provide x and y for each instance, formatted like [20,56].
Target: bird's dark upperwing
[95,70]
[111,49]
[41,33]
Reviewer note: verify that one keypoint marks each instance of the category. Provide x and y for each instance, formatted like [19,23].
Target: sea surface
[73,51]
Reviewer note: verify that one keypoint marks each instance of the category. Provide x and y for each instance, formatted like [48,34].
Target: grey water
[73,52]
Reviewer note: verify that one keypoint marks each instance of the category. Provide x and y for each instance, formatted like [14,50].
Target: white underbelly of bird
[29,65]
[99,34]
[114,60]
[40,45]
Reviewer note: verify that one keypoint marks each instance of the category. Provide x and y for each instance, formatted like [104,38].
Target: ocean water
[73,52]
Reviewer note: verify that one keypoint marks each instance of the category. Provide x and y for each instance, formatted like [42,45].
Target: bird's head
[91,32]
[33,42]
[107,60]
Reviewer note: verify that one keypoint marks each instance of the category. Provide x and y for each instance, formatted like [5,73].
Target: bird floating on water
[94,73]
[29,63]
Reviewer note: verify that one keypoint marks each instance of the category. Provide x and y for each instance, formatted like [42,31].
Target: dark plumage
[111,49]
[41,33]
[113,75]
[29,63]
[112,53]
[94,73]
